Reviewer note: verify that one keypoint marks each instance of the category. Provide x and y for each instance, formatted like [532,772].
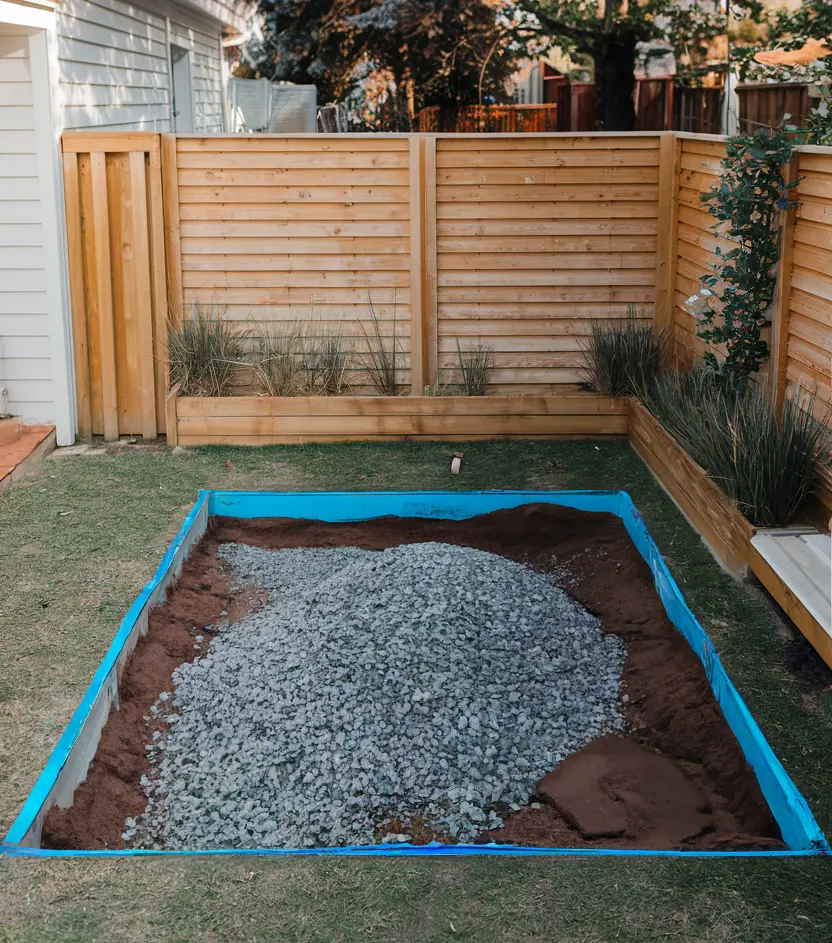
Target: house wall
[25,370]
[114,66]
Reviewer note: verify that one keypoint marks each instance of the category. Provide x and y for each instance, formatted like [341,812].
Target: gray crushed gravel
[425,680]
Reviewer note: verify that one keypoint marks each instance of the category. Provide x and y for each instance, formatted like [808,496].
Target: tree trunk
[615,84]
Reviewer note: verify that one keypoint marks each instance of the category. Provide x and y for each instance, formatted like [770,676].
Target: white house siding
[206,73]
[114,66]
[25,365]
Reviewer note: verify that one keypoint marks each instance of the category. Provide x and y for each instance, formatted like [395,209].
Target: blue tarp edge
[58,757]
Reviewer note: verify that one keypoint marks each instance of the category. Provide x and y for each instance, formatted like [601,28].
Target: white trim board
[43,57]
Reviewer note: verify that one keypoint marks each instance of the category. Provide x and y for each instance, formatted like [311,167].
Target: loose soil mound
[669,707]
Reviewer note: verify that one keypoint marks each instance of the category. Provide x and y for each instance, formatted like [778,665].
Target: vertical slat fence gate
[118,292]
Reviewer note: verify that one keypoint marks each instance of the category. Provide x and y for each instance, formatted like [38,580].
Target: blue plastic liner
[798,826]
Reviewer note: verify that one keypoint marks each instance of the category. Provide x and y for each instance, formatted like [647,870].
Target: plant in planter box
[205,352]
[475,365]
[625,355]
[278,358]
[768,464]
[381,363]
[324,363]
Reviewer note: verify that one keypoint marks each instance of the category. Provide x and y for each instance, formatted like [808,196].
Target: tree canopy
[437,51]
[455,51]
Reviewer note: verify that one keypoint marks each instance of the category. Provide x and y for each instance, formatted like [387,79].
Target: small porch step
[20,455]
[795,566]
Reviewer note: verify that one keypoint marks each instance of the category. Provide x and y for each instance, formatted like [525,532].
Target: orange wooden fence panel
[116,264]
[694,238]
[809,335]
[537,237]
[322,228]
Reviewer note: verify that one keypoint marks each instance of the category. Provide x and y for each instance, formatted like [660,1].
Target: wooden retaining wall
[252,420]
[712,514]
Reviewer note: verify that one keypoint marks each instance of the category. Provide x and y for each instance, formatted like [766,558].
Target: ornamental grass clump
[324,363]
[475,365]
[278,358]
[624,356]
[206,352]
[381,363]
[768,464]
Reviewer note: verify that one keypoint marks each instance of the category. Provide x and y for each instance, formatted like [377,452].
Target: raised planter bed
[723,528]
[259,420]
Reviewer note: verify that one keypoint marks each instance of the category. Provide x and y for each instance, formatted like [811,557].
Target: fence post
[418,335]
[104,292]
[668,213]
[137,266]
[782,293]
[170,189]
[431,273]
[158,280]
[75,261]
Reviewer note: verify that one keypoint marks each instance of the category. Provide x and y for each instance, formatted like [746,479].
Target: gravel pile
[425,680]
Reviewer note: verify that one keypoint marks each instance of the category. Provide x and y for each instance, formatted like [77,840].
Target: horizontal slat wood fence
[518,241]
[314,228]
[536,238]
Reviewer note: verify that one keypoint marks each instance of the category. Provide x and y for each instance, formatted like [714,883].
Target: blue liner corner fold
[797,824]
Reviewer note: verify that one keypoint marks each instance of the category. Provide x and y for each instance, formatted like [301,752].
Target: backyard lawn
[80,537]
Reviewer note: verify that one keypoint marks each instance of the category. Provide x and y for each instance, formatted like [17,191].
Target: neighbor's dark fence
[662,105]
[697,109]
[766,105]
[489,119]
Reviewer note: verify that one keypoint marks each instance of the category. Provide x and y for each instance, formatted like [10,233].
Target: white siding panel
[21,188]
[23,303]
[13,326]
[117,117]
[25,365]
[19,142]
[18,211]
[16,165]
[24,368]
[14,69]
[26,348]
[23,258]
[15,93]
[113,64]
[17,118]
[206,74]
[20,234]
[113,59]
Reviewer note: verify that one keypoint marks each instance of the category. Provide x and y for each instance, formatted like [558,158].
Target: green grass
[82,535]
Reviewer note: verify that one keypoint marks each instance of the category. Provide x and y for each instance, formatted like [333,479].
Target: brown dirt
[710,797]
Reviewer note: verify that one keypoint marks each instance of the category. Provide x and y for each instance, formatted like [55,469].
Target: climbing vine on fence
[749,197]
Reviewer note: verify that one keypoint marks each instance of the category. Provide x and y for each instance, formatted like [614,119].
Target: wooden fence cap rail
[86,142]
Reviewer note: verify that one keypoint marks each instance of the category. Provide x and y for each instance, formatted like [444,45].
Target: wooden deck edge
[724,531]
[813,631]
[35,457]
